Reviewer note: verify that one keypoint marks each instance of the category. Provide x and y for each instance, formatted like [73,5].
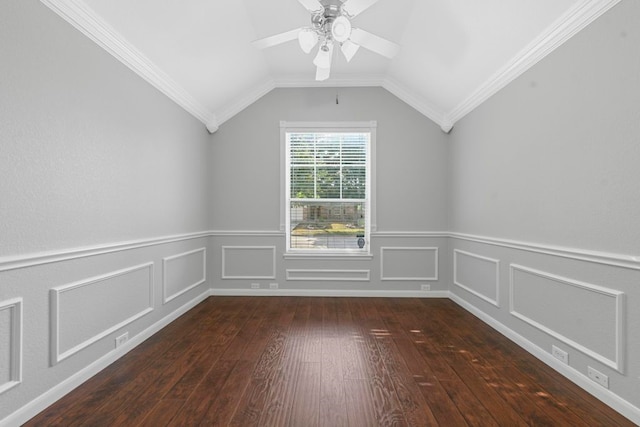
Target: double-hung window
[328,186]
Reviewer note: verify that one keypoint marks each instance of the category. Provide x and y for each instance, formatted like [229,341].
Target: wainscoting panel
[86,311]
[409,263]
[329,275]
[183,272]
[478,275]
[10,344]
[248,262]
[587,317]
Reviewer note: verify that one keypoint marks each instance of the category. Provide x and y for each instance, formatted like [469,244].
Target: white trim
[569,24]
[329,293]
[165,264]
[366,275]
[346,256]
[605,395]
[245,100]
[619,297]
[403,234]
[41,258]
[488,299]
[56,356]
[597,257]
[54,394]
[247,233]
[409,248]
[14,306]
[87,21]
[420,104]
[369,127]
[224,275]
[303,81]
[328,126]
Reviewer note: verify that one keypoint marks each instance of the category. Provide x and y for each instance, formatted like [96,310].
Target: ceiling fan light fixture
[323,58]
[322,74]
[341,29]
[349,49]
[307,39]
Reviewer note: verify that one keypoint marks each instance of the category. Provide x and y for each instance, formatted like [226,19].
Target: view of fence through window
[327,189]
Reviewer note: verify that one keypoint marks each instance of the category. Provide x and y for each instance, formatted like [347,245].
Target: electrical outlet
[598,377]
[255,286]
[273,286]
[425,287]
[561,355]
[122,339]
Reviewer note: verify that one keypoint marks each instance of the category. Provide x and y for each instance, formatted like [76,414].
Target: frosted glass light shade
[349,49]
[322,74]
[323,58]
[341,29]
[307,39]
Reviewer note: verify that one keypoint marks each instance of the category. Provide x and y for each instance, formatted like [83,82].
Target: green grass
[334,228]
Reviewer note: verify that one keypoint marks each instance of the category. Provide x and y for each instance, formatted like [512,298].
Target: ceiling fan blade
[276,39]
[374,43]
[322,74]
[355,7]
[312,5]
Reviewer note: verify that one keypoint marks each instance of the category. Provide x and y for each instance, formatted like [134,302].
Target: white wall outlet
[598,377]
[561,355]
[122,339]
[255,286]
[425,287]
[273,286]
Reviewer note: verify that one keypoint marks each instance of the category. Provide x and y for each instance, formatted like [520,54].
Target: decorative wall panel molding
[478,275]
[329,275]
[42,258]
[248,262]
[597,257]
[587,317]
[408,263]
[10,344]
[84,312]
[183,272]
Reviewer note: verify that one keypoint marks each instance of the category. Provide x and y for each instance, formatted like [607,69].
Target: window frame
[369,127]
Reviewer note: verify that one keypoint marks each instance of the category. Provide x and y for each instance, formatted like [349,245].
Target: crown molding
[89,23]
[419,103]
[246,100]
[298,81]
[568,25]
[83,18]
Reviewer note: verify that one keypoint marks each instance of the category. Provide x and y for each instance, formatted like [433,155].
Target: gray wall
[410,199]
[91,156]
[544,183]
[411,171]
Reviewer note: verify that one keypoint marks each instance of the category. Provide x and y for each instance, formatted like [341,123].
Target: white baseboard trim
[329,293]
[608,397]
[46,399]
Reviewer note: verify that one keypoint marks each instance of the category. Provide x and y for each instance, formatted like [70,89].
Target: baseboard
[606,396]
[329,293]
[45,400]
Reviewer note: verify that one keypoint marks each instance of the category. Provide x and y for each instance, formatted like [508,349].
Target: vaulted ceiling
[454,54]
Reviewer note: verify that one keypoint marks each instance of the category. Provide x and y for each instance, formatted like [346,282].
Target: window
[328,186]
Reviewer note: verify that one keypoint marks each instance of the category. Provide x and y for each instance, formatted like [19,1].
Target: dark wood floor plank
[292,361]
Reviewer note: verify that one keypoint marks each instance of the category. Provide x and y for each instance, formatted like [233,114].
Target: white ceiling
[454,54]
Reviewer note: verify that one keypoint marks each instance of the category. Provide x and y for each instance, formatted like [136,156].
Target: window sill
[351,256]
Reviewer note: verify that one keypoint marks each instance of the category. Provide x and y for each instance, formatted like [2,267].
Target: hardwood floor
[290,361]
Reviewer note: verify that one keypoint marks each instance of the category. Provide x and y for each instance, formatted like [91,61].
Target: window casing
[328,187]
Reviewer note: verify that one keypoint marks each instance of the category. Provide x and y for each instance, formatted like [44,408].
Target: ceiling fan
[331,26]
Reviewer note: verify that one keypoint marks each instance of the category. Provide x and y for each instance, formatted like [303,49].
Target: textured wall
[553,157]
[544,191]
[411,171]
[90,153]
